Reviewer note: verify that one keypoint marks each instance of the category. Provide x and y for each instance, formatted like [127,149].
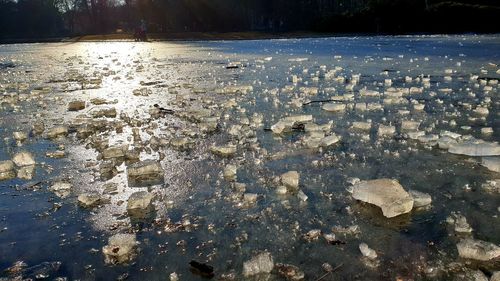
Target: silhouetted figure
[140,32]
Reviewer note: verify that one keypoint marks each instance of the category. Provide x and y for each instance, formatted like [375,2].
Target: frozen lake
[211,137]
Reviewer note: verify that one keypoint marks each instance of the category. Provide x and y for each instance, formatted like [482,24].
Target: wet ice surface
[210,138]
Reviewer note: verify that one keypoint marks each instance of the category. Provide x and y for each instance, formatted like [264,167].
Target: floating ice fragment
[290,272]
[7,170]
[230,172]
[386,131]
[105,112]
[61,189]
[224,151]
[420,199]
[245,89]
[20,136]
[288,123]
[302,196]
[23,158]
[118,151]
[250,198]
[121,248]
[139,204]
[76,105]
[88,200]
[290,180]
[334,107]
[477,250]
[492,163]
[476,148]
[363,126]
[367,251]
[262,263]
[58,131]
[409,126]
[145,173]
[26,172]
[387,194]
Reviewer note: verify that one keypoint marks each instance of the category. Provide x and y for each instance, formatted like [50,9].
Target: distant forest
[58,18]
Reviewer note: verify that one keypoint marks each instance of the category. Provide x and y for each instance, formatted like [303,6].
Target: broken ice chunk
[384,130]
[329,140]
[107,169]
[290,272]
[492,186]
[461,224]
[105,112]
[23,159]
[38,127]
[387,194]
[492,163]
[76,105]
[290,180]
[302,196]
[118,151]
[55,154]
[250,198]
[88,200]
[58,131]
[482,111]
[182,143]
[334,107]
[476,148]
[288,123]
[224,151]
[61,189]
[140,204]
[26,172]
[420,199]
[121,248]
[486,131]
[477,250]
[309,90]
[145,173]
[409,126]
[230,172]
[20,136]
[446,142]
[362,126]
[367,251]
[418,107]
[262,263]
[7,170]
[244,89]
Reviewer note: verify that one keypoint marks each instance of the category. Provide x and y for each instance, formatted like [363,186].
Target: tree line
[56,18]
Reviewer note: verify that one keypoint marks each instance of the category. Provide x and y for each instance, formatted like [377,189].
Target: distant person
[140,32]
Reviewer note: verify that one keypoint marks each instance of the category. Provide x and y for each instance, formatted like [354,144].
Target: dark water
[40,79]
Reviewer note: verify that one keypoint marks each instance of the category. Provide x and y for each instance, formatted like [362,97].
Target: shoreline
[209,36]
